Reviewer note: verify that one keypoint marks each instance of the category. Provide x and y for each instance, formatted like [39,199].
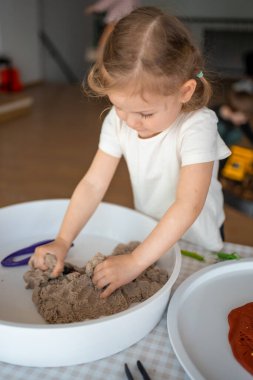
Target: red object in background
[10,80]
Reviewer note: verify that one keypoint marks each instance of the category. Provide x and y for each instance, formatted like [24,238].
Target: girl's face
[148,116]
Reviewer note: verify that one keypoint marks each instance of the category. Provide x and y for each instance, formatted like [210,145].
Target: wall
[71,31]
[18,36]
[1,41]
[223,29]
[65,24]
[206,8]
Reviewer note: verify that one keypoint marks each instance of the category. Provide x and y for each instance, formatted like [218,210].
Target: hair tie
[200,74]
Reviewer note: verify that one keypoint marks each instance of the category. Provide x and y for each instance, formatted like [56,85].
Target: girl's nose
[133,121]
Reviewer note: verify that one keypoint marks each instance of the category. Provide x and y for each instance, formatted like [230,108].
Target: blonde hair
[150,51]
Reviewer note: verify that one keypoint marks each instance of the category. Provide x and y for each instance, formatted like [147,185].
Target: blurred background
[222,28]
[49,129]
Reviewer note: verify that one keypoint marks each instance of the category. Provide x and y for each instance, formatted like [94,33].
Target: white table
[154,350]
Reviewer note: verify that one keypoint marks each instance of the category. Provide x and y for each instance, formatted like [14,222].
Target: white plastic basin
[25,338]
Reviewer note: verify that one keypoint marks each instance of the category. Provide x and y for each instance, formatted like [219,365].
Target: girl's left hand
[114,272]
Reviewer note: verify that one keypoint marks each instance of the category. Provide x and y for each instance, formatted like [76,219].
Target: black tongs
[141,368]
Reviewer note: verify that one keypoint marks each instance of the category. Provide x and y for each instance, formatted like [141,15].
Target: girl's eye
[146,116]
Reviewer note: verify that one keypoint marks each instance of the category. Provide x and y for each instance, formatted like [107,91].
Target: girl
[153,75]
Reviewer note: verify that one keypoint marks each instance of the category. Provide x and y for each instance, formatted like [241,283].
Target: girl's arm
[87,195]
[191,194]
[85,199]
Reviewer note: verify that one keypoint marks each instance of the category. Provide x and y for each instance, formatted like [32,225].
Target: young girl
[153,75]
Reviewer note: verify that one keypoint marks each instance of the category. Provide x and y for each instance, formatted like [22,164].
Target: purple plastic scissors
[9,261]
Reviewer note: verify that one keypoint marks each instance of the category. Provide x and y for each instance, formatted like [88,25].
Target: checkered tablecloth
[154,350]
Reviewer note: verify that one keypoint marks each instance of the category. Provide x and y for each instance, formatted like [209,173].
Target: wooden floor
[44,154]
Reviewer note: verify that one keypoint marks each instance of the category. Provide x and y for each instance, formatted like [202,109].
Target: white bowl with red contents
[26,339]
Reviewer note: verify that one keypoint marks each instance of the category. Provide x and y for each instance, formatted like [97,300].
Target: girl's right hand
[58,247]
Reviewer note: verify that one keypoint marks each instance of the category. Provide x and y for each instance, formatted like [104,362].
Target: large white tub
[25,338]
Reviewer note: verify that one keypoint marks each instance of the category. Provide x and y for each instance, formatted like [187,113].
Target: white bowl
[25,338]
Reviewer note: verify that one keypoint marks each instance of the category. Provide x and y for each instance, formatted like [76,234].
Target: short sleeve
[199,140]
[109,141]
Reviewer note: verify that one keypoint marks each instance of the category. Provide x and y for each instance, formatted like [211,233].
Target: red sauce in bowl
[241,335]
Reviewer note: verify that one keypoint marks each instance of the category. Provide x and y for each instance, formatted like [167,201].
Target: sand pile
[72,296]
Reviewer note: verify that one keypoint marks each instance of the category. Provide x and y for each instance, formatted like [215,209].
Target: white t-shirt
[154,166]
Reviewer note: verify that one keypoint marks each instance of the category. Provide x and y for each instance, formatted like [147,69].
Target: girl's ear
[187,90]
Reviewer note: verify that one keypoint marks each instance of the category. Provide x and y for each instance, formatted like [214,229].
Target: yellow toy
[239,165]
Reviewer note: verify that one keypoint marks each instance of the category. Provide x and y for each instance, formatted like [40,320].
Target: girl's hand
[115,272]
[58,247]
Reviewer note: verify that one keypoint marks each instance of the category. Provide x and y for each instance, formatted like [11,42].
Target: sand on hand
[72,297]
